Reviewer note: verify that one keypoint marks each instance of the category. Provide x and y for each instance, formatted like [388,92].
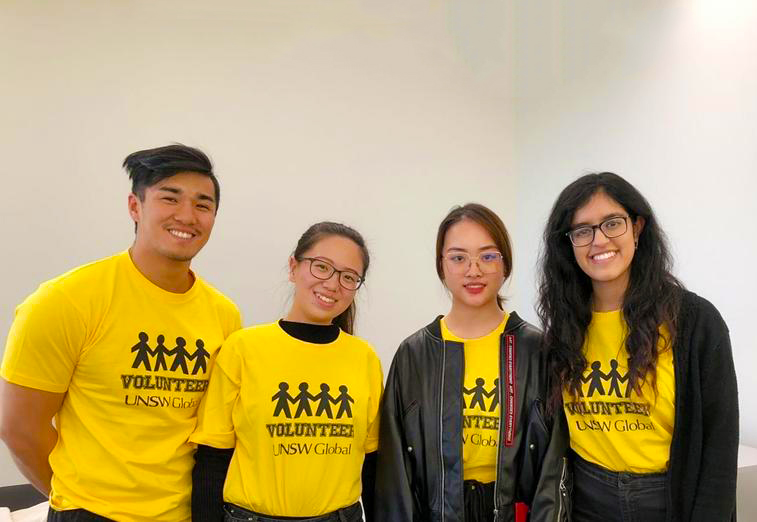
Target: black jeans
[479,501]
[234,513]
[601,495]
[74,515]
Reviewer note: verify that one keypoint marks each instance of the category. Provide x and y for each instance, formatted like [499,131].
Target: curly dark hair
[652,298]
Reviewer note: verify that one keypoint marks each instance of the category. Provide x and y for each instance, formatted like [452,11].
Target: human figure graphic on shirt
[180,355]
[478,393]
[201,355]
[160,353]
[344,401]
[324,404]
[283,399]
[629,388]
[495,394]
[595,378]
[143,352]
[303,399]
[615,378]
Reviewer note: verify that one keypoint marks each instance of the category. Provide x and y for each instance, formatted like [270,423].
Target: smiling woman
[642,367]
[296,401]
[319,297]
[605,256]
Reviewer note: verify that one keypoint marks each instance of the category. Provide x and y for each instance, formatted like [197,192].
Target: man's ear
[134,205]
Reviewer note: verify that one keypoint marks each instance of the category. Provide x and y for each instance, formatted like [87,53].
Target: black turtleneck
[311,333]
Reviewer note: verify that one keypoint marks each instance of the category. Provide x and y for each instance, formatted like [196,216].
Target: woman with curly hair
[642,367]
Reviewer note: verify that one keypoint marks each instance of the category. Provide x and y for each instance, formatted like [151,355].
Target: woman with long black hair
[642,367]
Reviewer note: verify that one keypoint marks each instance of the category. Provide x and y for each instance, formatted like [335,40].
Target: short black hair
[150,166]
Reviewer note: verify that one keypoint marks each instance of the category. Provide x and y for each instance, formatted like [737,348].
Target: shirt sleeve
[236,321]
[45,340]
[215,425]
[376,379]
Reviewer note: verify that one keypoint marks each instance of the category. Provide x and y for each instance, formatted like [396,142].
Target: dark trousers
[234,513]
[74,515]
[479,501]
[601,495]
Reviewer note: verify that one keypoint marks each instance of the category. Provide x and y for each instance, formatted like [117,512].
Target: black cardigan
[704,449]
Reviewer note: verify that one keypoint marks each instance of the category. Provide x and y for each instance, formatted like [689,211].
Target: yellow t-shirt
[481,403]
[133,361]
[610,424]
[300,417]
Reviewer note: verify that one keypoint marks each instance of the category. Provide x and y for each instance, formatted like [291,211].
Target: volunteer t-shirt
[611,424]
[300,417]
[481,402]
[134,362]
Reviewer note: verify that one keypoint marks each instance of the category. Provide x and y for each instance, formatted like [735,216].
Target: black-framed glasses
[460,262]
[610,227]
[323,270]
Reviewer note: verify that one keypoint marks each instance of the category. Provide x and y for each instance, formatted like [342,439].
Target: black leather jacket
[420,468]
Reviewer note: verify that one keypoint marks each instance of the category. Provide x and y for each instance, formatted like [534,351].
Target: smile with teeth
[603,256]
[180,234]
[327,300]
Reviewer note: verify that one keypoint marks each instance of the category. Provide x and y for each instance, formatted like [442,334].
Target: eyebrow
[608,216]
[174,190]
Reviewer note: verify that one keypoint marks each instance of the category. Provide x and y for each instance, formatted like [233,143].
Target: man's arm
[26,428]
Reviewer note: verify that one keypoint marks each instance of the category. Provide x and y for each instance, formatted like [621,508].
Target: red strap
[521,512]
[510,380]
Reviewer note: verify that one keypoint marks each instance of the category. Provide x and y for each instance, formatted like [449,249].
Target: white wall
[382,115]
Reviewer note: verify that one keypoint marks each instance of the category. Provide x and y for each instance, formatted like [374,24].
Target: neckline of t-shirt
[609,314]
[283,332]
[499,328]
[151,287]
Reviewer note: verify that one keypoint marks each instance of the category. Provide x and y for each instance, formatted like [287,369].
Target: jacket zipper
[441,419]
[563,490]
[499,427]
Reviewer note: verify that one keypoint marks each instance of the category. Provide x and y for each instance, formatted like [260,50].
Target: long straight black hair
[652,298]
[324,229]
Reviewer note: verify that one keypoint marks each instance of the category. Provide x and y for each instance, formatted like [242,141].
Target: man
[103,349]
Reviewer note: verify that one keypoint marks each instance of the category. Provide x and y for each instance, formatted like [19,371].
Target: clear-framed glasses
[611,227]
[459,262]
[320,269]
